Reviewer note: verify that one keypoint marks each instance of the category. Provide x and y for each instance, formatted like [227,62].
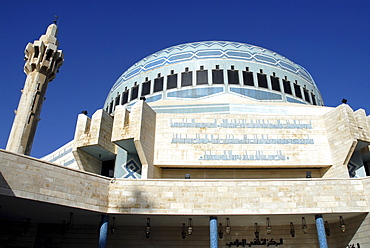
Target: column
[103,232]
[213,232]
[321,235]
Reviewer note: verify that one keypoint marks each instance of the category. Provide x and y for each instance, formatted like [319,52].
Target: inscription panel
[244,140]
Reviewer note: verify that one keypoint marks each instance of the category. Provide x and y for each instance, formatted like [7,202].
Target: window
[313,99]
[232,76]
[297,90]
[262,80]
[117,100]
[202,76]
[217,76]
[172,81]
[275,84]
[306,96]
[248,78]
[158,83]
[287,87]
[146,88]
[187,78]
[134,92]
[124,97]
[111,107]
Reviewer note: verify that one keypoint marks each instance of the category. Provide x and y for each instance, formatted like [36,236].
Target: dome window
[202,76]
[287,87]
[248,77]
[233,76]
[187,78]
[172,80]
[158,83]
[217,75]
[262,80]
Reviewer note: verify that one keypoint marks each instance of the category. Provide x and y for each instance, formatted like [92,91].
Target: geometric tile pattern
[212,50]
[132,170]
[352,168]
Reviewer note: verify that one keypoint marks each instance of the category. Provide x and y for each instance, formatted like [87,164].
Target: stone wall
[33,179]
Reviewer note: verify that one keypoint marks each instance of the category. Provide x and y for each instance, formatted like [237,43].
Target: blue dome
[284,80]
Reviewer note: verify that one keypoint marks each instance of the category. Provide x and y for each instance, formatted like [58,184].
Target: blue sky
[101,39]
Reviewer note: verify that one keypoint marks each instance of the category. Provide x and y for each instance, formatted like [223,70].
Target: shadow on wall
[4,187]
[354,226]
[137,200]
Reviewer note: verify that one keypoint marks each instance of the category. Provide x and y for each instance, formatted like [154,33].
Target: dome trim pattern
[212,50]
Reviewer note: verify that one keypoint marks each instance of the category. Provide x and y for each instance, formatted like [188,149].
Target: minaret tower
[43,60]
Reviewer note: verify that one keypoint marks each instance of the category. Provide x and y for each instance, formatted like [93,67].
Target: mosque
[203,144]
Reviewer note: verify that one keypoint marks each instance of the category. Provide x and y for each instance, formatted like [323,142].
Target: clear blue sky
[101,39]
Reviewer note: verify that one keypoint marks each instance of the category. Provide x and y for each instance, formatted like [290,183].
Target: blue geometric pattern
[256,94]
[212,50]
[195,93]
[352,168]
[132,170]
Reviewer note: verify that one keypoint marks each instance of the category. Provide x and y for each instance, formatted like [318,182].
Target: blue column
[321,235]
[103,232]
[213,232]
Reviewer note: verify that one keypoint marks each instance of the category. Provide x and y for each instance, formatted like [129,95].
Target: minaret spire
[43,59]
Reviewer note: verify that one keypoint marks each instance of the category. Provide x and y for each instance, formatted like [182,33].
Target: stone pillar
[103,232]
[43,60]
[321,235]
[213,235]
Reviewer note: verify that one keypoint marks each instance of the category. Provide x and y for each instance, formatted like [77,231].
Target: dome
[199,70]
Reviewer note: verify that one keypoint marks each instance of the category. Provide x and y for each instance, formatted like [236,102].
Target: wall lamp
[220,233]
[268,226]
[147,229]
[304,225]
[292,231]
[70,221]
[228,226]
[190,226]
[256,231]
[183,233]
[113,226]
[342,224]
[327,228]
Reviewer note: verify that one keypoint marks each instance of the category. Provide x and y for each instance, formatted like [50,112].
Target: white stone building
[193,141]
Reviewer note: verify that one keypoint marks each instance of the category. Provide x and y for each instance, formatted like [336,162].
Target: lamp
[190,226]
[292,231]
[342,224]
[183,233]
[327,229]
[304,225]
[256,231]
[268,224]
[70,221]
[220,233]
[147,229]
[113,226]
[344,100]
[228,226]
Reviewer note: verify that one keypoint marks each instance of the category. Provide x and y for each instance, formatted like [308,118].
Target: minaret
[43,60]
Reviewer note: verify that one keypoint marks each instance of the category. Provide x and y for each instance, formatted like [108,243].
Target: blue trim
[292,100]
[256,94]
[195,93]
